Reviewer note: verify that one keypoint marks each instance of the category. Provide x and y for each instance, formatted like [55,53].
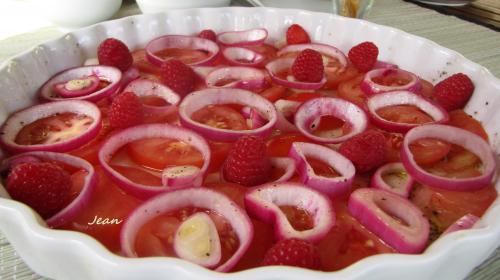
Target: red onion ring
[454,135]
[18,120]
[466,222]
[369,87]
[281,64]
[83,198]
[184,248]
[62,88]
[194,197]
[120,139]
[264,201]
[376,210]
[323,49]
[238,56]
[182,176]
[254,119]
[249,37]
[378,101]
[182,42]
[313,109]
[285,163]
[145,87]
[130,75]
[285,109]
[244,78]
[335,186]
[401,185]
[107,73]
[199,99]
[203,71]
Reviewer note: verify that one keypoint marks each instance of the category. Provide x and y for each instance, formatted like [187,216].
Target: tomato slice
[404,114]
[112,206]
[393,146]
[303,96]
[335,76]
[273,93]
[428,151]
[54,129]
[142,63]
[350,91]
[279,145]
[427,88]
[220,116]
[218,154]
[443,207]
[461,119]
[89,151]
[159,153]
[187,56]
[299,218]
[330,127]
[138,175]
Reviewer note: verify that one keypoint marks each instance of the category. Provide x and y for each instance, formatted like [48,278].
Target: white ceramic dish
[71,255]
[156,6]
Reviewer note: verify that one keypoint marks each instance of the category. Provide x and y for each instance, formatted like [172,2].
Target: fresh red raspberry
[297,35]
[453,92]
[293,252]
[247,162]
[113,52]
[208,34]
[177,76]
[43,186]
[126,110]
[308,66]
[365,150]
[364,56]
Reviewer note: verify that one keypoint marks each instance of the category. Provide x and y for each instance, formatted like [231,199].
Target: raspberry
[308,66]
[297,35]
[126,110]
[208,34]
[453,92]
[113,52]
[364,56]
[43,186]
[293,252]
[365,150]
[247,162]
[177,76]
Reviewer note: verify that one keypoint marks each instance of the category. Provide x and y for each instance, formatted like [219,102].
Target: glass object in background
[352,8]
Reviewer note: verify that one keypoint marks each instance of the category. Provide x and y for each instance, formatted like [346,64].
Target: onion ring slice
[109,74]
[248,37]
[313,109]
[400,183]
[120,139]
[378,101]
[370,87]
[182,42]
[18,120]
[239,56]
[242,77]
[190,197]
[199,99]
[145,87]
[264,201]
[454,135]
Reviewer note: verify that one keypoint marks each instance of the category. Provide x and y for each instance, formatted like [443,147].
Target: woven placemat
[475,42]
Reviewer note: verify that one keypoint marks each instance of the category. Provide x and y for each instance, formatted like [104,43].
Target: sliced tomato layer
[220,116]
[404,114]
[53,129]
[279,145]
[187,56]
[350,90]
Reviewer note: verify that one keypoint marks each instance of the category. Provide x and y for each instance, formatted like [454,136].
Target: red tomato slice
[159,153]
[321,168]
[303,96]
[428,151]
[187,56]
[218,153]
[109,203]
[350,91]
[220,116]
[330,126]
[90,150]
[142,63]
[273,93]
[335,76]
[461,119]
[444,207]
[138,175]
[427,88]
[404,114]
[348,242]
[53,129]
[393,146]
[279,145]
[299,219]
[392,79]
